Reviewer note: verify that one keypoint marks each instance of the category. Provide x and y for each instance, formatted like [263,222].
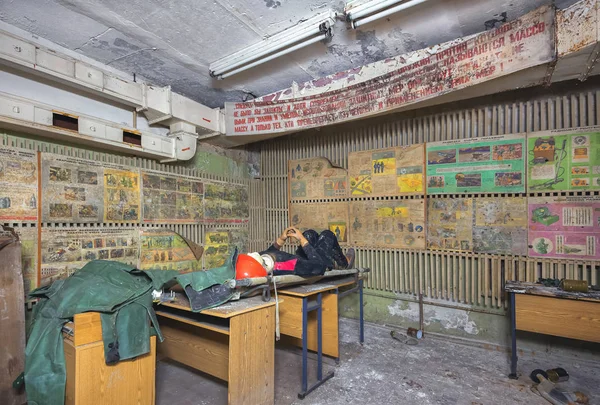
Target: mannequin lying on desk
[316,254]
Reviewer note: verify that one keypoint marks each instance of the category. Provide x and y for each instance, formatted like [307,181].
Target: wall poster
[73,189]
[561,160]
[67,250]
[332,216]
[450,224]
[171,199]
[220,243]
[225,203]
[500,226]
[388,224]
[122,195]
[479,165]
[391,171]
[18,185]
[564,227]
[316,178]
[162,249]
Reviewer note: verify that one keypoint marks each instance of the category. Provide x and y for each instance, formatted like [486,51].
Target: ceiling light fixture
[308,32]
[373,10]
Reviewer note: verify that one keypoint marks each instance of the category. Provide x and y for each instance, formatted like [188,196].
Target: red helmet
[248,267]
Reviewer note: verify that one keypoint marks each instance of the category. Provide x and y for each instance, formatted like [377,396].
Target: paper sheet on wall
[332,216]
[500,225]
[479,165]
[388,224]
[162,249]
[171,199]
[564,227]
[450,224]
[66,250]
[392,171]
[563,160]
[220,243]
[225,203]
[18,185]
[73,189]
[316,178]
[122,195]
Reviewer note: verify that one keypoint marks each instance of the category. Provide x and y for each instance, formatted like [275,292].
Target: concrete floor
[385,371]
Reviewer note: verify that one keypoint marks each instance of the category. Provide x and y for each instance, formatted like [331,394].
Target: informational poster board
[322,216]
[564,227]
[500,226]
[171,199]
[220,244]
[18,185]
[225,203]
[122,195]
[564,160]
[162,249]
[479,165]
[66,250]
[388,224]
[392,171]
[316,178]
[450,224]
[73,189]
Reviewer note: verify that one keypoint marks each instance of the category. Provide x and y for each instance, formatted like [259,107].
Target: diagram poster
[18,185]
[225,203]
[66,250]
[392,171]
[316,178]
[450,224]
[500,226]
[479,165]
[563,160]
[332,216]
[171,199]
[388,224]
[121,195]
[220,244]
[73,189]
[564,227]
[162,249]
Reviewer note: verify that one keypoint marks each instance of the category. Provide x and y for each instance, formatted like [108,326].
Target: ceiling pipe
[356,19]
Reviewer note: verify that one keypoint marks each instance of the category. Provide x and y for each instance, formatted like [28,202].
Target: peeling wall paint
[238,162]
[448,318]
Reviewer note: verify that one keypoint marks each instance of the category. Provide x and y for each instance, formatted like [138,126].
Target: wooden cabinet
[91,382]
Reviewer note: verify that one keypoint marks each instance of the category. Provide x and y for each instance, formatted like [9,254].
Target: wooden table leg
[252,358]
[513,333]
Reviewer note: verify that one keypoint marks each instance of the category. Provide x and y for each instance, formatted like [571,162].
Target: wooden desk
[234,342]
[309,317]
[91,382]
[550,311]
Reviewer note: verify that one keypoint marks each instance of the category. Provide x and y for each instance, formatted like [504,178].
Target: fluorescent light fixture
[308,32]
[373,10]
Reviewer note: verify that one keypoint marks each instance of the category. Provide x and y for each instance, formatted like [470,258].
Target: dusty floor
[385,371]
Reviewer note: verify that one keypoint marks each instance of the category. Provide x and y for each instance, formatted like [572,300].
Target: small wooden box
[91,382]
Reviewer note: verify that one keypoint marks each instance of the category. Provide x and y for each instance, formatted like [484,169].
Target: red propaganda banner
[517,45]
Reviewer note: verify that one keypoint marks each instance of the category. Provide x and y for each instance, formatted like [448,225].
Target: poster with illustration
[450,224]
[388,224]
[171,199]
[564,160]
[73,189]
[500,225]
[66,250]
[162,249]
[564,227]
[18,185]
[391,171]
[478,165]
[121,195]
[219,245]
[225,203]
[316,178]
[331,215]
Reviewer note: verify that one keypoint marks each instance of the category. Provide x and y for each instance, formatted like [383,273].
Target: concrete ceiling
[172,42]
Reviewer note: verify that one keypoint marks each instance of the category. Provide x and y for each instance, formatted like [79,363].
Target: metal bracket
[591,63]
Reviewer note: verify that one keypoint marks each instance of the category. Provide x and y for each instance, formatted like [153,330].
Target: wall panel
[461,278]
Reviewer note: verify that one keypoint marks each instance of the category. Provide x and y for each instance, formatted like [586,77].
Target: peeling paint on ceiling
[172,42]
